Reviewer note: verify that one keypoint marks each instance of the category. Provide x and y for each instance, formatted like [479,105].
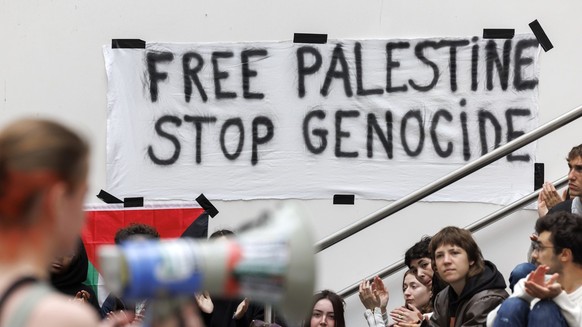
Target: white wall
[51,65]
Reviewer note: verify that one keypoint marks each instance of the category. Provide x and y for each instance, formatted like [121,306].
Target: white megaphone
[272,263]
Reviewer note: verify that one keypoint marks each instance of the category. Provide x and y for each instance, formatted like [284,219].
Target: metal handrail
[448,179]
[511,208]
[476,226]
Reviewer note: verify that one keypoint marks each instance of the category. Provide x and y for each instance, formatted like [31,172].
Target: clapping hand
[406,314]
[374,295]
[204,302]
[537,286]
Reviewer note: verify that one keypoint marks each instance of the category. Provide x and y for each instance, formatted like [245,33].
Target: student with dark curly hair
[134,231]
[418,259]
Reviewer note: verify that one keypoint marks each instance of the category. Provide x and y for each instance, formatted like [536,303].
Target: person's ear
[566,255]
[54,201]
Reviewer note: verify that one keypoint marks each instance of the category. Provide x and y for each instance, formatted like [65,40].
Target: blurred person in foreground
[43,181]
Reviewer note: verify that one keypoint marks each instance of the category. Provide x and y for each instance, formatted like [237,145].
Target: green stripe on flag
[92,278]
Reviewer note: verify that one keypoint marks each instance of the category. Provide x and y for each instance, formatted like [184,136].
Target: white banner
[374,118]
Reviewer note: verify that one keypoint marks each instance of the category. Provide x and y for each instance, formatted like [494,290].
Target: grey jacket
[472,312]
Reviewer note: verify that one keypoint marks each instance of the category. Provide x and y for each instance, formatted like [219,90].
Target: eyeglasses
[538,246]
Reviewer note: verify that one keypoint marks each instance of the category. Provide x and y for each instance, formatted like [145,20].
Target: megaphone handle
[268,313]
[166,308]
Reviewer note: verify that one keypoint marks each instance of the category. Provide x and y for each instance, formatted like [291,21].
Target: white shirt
[577,206]
[376,318]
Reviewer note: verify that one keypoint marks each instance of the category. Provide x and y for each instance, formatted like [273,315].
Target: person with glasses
[552,294]
[549,202]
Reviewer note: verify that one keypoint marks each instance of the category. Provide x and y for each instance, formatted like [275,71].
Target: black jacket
[224,309]
[72,280]
[565,206]
[482,293]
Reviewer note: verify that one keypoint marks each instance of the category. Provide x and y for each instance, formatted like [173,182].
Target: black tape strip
[343,199]
[541,35]
[538,175]
[198,228]
[207,205]
[133,202]
[309,38]
[128,44]
[108,198]
[498,33]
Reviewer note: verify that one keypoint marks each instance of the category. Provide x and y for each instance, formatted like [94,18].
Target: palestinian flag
[170,220]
